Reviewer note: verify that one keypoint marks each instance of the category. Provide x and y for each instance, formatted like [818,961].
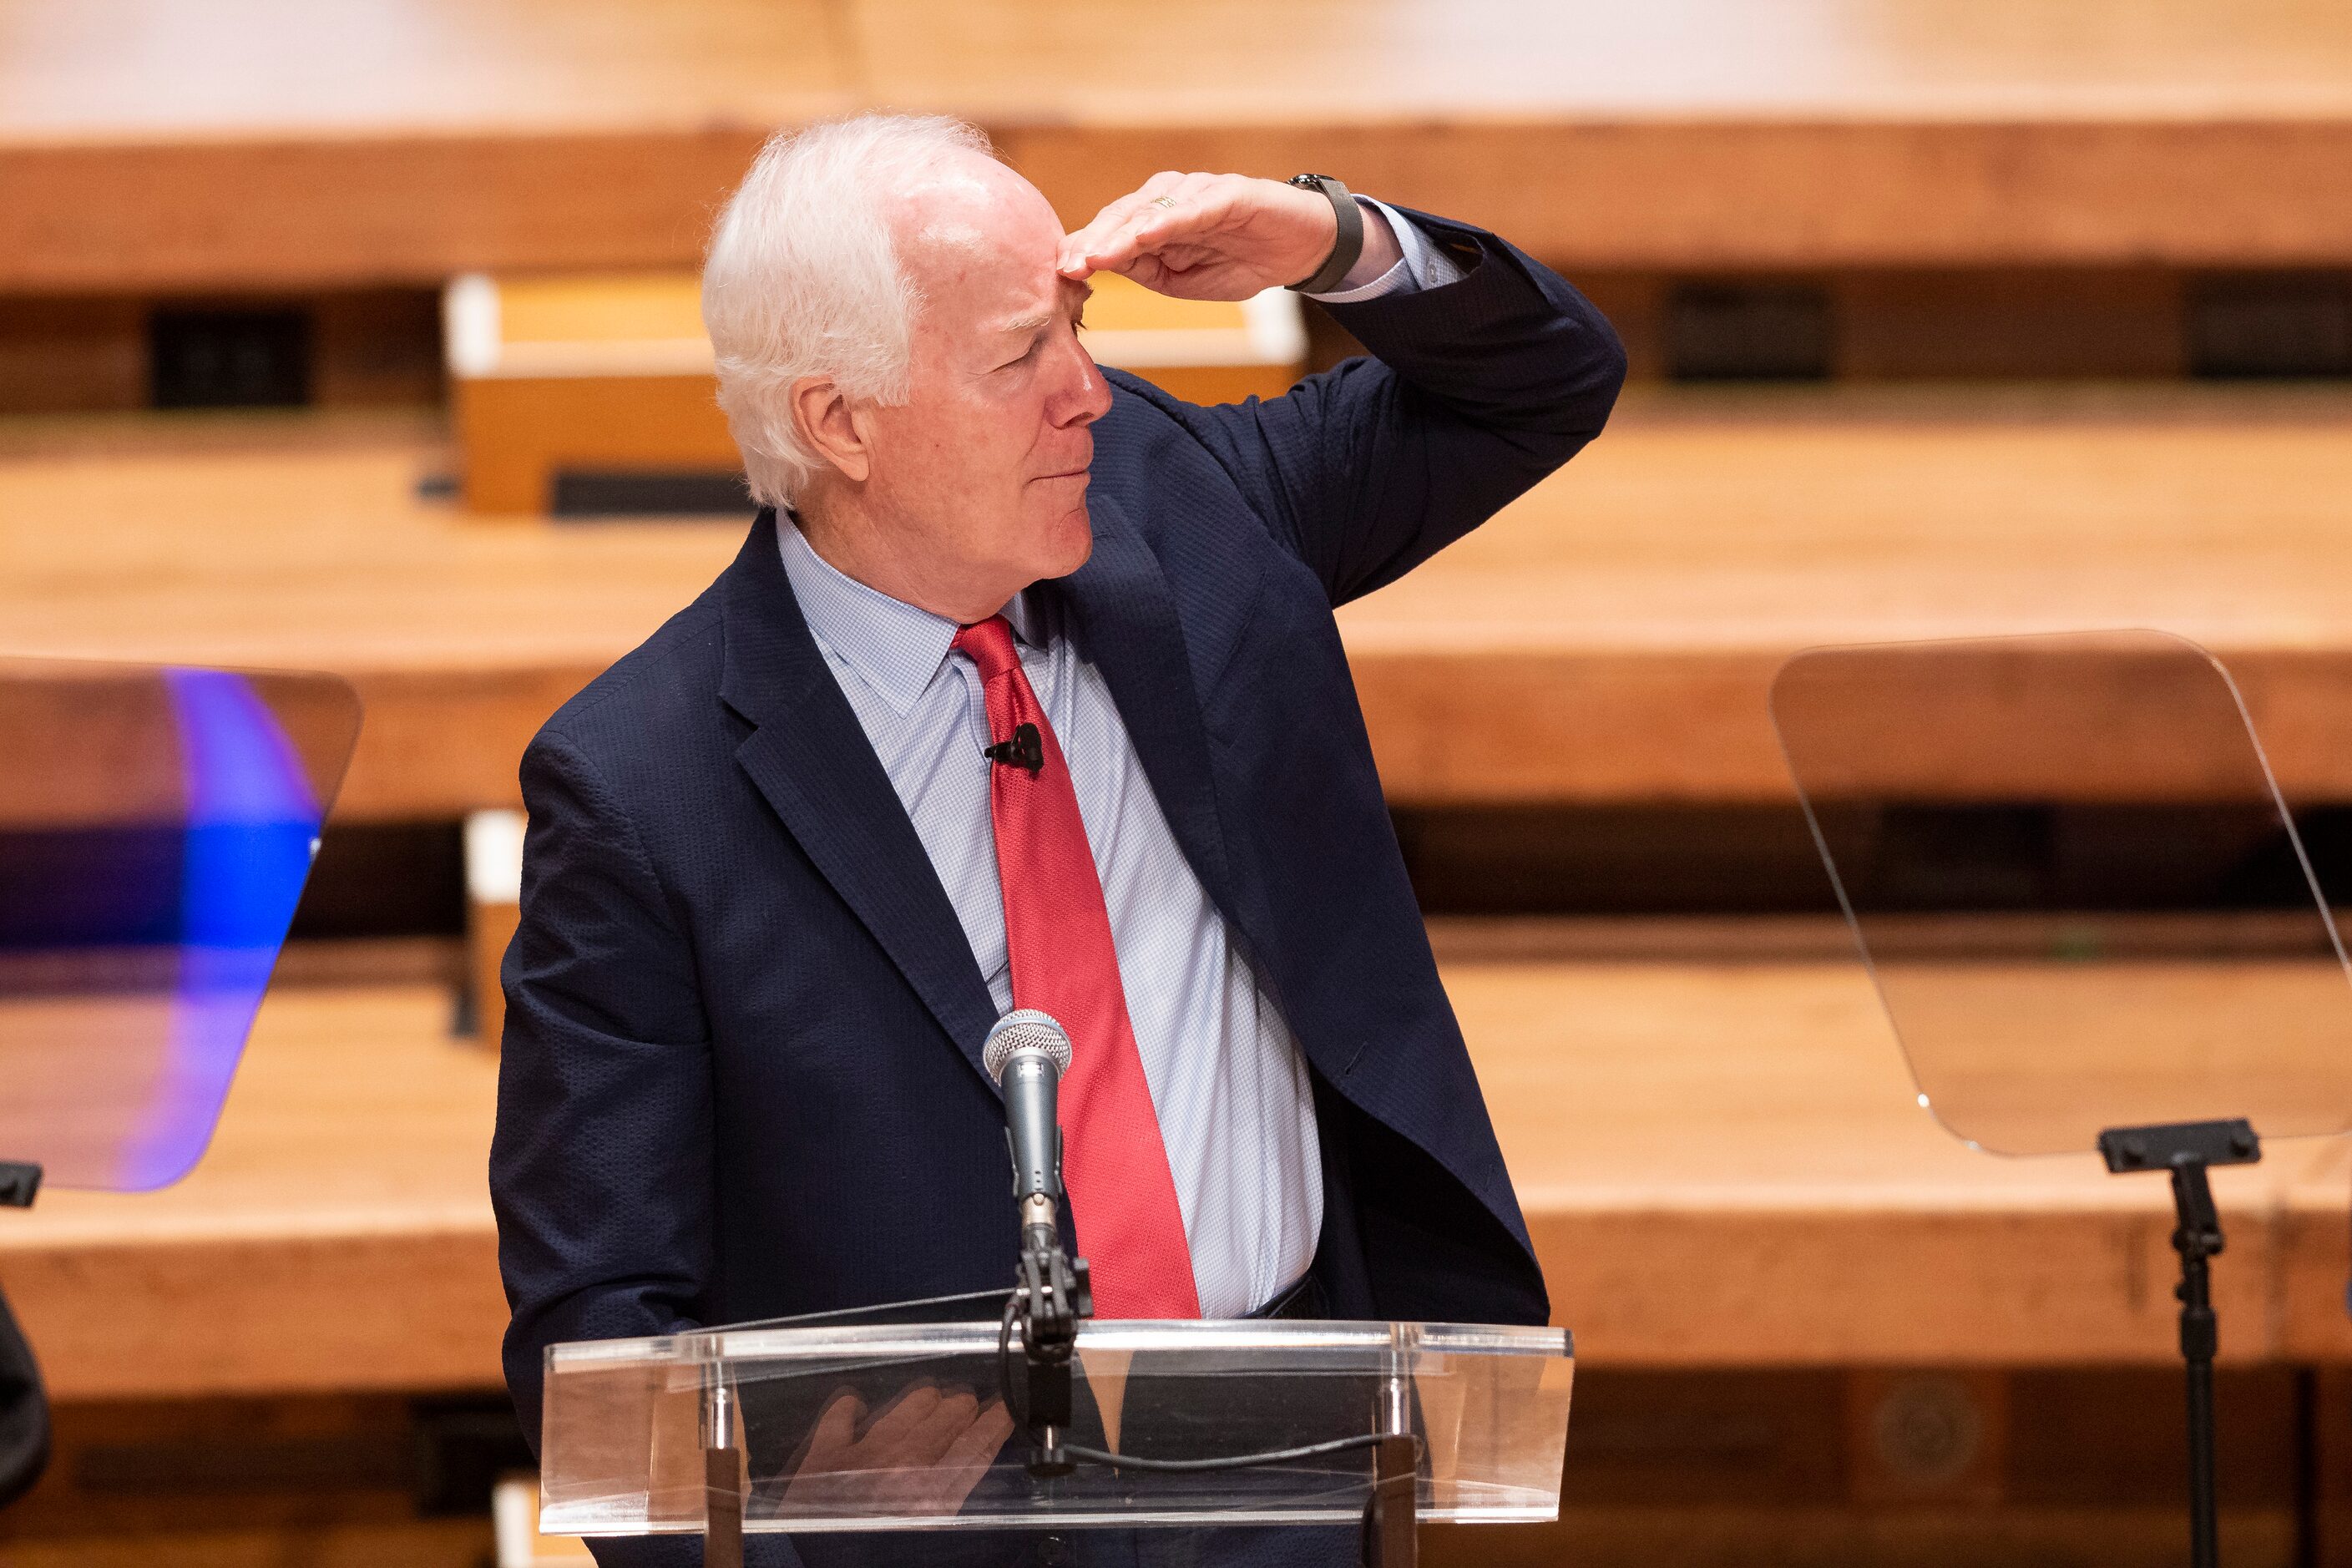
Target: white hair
[802,280]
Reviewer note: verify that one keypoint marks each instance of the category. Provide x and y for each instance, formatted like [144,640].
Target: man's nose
[1085,396]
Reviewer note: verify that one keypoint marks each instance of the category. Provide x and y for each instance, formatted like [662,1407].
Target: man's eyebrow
[1036,318]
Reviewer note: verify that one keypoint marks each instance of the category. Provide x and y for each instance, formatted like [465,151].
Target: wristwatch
[1350,243]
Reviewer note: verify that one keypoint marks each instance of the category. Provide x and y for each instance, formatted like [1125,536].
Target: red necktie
[1057,936]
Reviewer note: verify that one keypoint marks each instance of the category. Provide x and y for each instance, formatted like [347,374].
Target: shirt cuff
[1419,265]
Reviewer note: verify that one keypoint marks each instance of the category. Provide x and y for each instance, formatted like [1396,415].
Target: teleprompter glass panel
[156,825]
[902,1427]
[1963,793]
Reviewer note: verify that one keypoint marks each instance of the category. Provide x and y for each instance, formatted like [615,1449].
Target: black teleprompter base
[2188,1150]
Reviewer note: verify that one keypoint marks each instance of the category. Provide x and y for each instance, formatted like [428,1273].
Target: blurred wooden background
[1946,319]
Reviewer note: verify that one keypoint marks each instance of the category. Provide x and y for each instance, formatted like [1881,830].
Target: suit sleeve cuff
[1419,265]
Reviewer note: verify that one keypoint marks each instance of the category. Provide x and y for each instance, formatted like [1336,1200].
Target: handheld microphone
[1027,1054]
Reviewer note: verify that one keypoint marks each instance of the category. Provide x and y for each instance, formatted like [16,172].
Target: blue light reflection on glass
[251,826]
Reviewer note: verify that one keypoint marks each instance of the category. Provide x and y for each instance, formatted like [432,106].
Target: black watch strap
[1350,243]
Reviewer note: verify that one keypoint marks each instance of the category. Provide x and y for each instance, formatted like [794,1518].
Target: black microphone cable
[1182,1467]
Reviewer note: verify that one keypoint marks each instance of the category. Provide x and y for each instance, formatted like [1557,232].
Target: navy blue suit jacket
[742,1065]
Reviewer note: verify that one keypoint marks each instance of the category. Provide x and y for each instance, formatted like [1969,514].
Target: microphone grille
[1025,1028]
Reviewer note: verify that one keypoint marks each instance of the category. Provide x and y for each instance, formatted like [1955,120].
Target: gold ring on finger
[1163,201]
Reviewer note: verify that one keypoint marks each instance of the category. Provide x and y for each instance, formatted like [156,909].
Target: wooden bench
[1720,1164]
[306,544]
[1610,637]
[337,1236]
[521,135]
[603,385]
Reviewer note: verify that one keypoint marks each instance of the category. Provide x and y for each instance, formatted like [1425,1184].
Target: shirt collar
[896,647]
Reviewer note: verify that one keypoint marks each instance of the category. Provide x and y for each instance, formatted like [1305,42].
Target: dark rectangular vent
[464,1445]
[627,492]
[2270,327]
[1761,859]
[1749,332]
[228,359]
[385,879]
[359,1461]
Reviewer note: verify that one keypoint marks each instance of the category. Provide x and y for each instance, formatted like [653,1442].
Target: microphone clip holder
[1050,1296]
[1024,749]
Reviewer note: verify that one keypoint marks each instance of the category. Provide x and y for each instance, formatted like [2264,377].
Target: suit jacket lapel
[810,759]
[1125,619]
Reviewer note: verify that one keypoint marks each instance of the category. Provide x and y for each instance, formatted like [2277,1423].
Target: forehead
[979,240]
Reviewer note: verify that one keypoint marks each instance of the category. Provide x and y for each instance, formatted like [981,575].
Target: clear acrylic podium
[808,1426]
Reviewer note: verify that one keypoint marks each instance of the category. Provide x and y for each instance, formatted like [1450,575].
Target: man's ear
[828,422]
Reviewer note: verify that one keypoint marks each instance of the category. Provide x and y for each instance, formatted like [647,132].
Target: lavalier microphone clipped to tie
[1026,749]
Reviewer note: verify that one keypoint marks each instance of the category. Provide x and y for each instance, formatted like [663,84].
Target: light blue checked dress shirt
[1226,1077]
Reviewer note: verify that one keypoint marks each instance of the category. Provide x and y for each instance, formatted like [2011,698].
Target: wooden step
[174,148]
[1721,1165]
[1610,638]
[1724,1163]
[337,1236]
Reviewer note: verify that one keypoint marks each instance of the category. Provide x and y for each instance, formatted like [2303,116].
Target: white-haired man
[1023,691]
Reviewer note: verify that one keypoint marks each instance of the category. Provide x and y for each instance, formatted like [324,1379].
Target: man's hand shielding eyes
[1219,237]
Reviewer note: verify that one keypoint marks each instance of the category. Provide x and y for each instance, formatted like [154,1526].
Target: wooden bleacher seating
[1719,1155]
[524,134]
[607,376]
[336,1236]
[1610,638]
[1720,1162]
[304,544]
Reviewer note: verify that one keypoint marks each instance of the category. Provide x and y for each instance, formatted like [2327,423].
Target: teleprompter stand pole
[2188,1150]
[2196,1237]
